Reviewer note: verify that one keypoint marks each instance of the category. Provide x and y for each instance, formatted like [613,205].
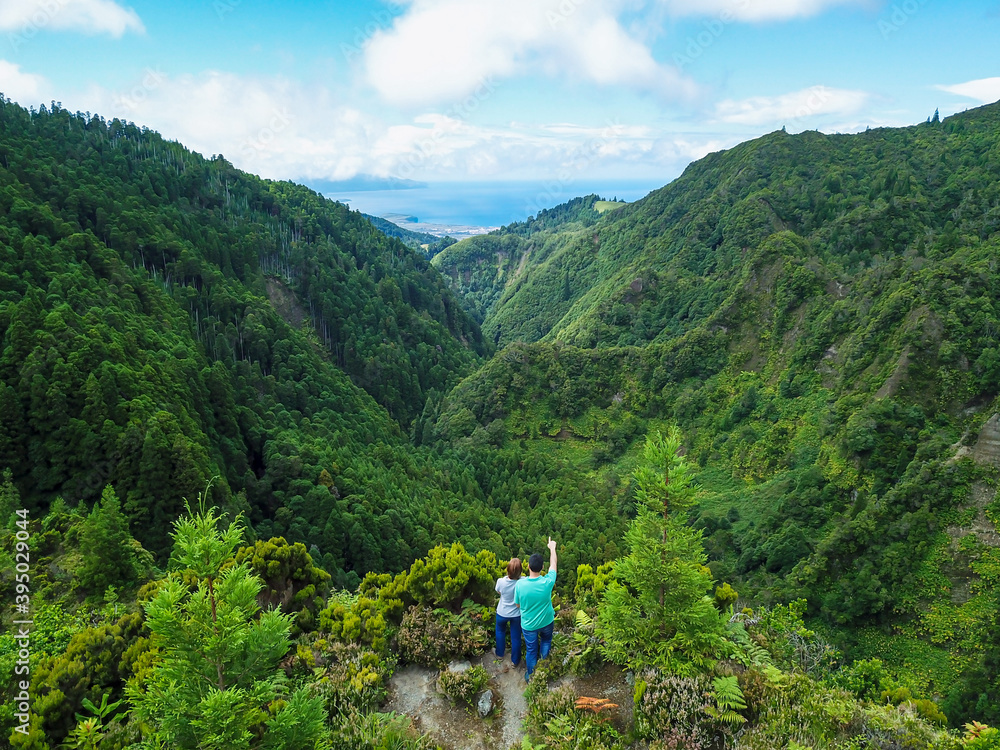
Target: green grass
[604,206]
[921,666]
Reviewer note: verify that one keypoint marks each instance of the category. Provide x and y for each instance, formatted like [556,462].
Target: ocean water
[493,204]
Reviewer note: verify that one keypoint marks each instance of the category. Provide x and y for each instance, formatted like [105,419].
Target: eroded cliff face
[987,450]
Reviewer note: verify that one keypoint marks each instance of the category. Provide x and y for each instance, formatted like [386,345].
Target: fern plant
[584,654]
[596,706]
[729,701]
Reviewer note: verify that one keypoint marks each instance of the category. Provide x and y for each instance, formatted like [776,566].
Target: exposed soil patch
[283,301]
[891,385]
[412,691]
[987,450]
[522,264]
[981,495]
[958,569]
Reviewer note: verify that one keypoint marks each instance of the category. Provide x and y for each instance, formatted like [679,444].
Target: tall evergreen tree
[657,611]
[217,684]
[112,557]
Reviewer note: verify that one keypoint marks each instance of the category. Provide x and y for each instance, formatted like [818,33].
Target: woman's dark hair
[514,569]
[535,563]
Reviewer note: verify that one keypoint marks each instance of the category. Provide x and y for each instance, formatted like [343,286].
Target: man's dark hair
[535,563]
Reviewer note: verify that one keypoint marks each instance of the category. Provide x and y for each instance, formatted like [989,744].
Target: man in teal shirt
[534,596]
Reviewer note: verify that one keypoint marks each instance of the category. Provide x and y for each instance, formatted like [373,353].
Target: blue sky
[453,90]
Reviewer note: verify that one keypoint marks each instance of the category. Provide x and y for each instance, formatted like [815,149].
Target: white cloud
[756,10]
[442,50]
[279,128]
[28,17]
[268,125]
[439,51]
[983,90]
[792,110]
[27,89]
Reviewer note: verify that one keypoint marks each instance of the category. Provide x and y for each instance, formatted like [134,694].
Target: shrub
[792,645]
[547,671]
[865,678]
[463,687]
[980,737]
[804,713]
[590,585]
[356,619]
[376,731]
[758,688]
[354,678]
[673,709]
[448,578]
[926,709]
[291,580]
[725,596]
[96,662]
[892,728]
[565,722]
[433,637]
[545,704]
[450,575]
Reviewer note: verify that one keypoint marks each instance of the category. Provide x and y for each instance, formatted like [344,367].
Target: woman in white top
[508,612]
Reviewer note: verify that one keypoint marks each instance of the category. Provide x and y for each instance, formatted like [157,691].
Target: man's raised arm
[552,555]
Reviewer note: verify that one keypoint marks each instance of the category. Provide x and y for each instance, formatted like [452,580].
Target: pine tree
[112,557]
[10,499]
[217,684]
[657,611]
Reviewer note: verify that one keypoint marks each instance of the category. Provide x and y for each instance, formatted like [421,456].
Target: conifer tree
[112,557]
[217,684]
[657,611]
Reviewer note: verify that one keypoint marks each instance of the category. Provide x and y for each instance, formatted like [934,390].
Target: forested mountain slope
[140,292]
[656,268]
[486,271]
[426,244]
[819,316]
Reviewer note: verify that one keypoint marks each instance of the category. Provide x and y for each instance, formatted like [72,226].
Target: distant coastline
[362,183]
[460,209]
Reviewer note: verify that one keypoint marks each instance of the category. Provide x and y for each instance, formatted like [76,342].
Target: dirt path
[511,689]
[412,692]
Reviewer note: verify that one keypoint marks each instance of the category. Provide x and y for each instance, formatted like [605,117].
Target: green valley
[757,409]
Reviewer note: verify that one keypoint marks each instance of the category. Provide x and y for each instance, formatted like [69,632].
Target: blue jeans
[515,637]
[537,644]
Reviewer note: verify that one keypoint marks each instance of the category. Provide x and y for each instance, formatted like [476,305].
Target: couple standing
[526,603]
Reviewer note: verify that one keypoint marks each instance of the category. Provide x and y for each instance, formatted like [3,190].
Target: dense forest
[425,243]
[818,314]
[218,388]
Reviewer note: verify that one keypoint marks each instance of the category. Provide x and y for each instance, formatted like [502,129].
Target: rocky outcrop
[987,450]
